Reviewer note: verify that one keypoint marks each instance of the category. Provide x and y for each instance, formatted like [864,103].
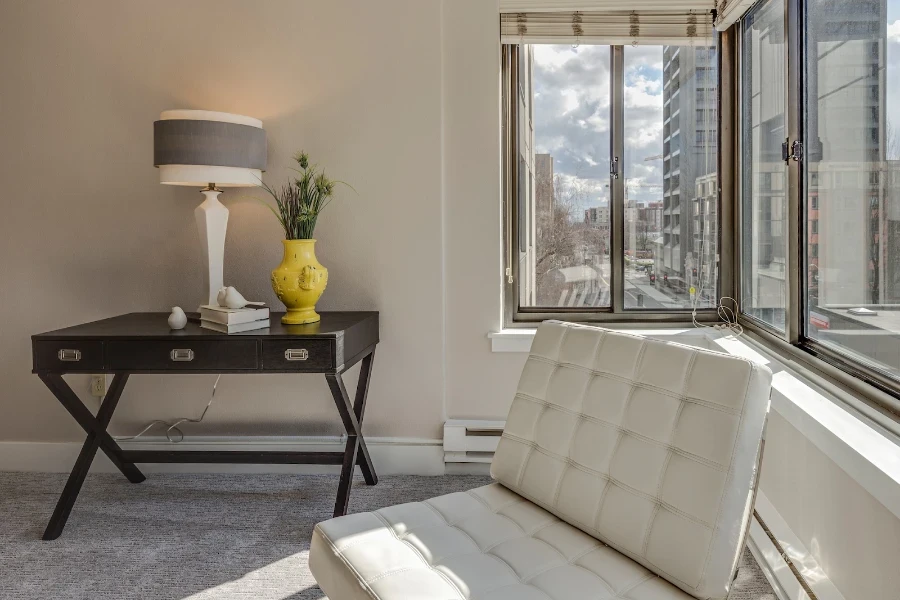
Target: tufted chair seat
[626,470]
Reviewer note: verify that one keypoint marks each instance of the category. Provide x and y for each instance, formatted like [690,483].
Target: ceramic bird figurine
[231,298]
[177,320]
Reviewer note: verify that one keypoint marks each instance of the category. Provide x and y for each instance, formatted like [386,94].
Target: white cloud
[893,31]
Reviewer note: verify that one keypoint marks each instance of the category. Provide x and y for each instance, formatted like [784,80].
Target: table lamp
[212,149]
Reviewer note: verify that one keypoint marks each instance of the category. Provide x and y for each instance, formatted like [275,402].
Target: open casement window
[611,172]
[820,182]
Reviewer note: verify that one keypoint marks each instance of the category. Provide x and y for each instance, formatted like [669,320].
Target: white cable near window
[672,28]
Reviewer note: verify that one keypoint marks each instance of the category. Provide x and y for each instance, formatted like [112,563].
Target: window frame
[515,315]
[877,389]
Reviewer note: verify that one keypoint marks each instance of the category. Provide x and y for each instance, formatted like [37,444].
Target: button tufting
[625,472]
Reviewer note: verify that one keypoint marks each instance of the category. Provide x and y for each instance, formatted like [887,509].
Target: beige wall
[479,384]
[88,232]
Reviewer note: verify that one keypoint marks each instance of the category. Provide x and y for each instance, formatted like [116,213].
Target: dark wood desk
[143,343]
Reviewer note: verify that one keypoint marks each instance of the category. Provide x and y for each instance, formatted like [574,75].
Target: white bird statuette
[177,320]
[233,299]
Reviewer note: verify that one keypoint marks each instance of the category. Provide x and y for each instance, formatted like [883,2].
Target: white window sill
[866,452]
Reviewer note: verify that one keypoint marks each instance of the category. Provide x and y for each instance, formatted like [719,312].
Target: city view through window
[850,175]
[669,168]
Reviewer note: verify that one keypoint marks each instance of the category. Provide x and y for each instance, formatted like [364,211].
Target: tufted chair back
[649,446]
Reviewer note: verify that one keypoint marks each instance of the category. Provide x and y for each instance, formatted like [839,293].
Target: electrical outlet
[99,385]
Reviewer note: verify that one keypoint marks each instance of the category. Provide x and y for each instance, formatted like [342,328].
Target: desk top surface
[154,325]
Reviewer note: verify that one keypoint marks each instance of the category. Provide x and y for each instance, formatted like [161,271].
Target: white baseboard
[776,570]
[392,456]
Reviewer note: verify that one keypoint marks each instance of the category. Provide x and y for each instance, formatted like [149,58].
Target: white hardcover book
[238,328]
[232,316]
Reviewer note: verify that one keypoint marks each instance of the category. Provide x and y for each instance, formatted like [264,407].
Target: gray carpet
[196,536]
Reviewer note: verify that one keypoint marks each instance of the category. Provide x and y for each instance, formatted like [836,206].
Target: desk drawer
[298,355]
[68,356]
[184,355]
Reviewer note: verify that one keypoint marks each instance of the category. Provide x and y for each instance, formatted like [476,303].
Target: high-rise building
[689,153]
[852,208]
[705,217]
[846,152]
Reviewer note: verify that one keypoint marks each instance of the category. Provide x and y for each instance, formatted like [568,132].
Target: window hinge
[614,168]
[791,151]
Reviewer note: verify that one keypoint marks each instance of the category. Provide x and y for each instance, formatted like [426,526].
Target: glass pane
[565,258]
[764,174]
[671,192]
[852,179]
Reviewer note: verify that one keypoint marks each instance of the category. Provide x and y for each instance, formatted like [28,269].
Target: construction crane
[636,184]
[654,157]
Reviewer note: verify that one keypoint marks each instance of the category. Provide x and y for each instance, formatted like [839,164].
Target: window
[564,218]
[838,184]
[568,208]
[664,262]
[763,200]
[853,237]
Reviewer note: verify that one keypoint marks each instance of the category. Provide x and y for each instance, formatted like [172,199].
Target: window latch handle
[614,168]
[791,150]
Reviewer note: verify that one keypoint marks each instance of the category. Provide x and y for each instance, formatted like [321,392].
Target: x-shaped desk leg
[356,451]
[97,438]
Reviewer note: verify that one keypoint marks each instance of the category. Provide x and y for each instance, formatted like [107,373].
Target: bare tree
[642,235]
[563,240]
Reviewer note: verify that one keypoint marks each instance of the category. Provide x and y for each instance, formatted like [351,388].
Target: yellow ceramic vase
[299,282]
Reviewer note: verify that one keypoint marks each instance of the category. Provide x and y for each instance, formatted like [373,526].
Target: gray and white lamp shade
[198,147]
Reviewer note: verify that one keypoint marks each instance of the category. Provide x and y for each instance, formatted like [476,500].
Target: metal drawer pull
[296,354]
[182,355]
[69,355]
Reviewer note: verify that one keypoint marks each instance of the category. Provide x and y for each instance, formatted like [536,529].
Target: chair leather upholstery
[487,544]
[647,445]
[626,470]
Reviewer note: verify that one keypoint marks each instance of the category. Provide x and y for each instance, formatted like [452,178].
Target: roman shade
[605,5]
[651,25]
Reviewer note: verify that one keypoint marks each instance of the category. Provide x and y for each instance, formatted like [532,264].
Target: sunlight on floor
[280,580]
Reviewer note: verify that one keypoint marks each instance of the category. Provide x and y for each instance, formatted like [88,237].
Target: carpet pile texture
[197,537]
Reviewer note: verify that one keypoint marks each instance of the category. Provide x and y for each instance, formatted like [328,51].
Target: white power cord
[173,427]
[726,314]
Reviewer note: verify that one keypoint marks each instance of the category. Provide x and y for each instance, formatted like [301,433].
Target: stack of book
[234,320]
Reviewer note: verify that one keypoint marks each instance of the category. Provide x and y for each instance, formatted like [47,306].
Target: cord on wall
[173,427]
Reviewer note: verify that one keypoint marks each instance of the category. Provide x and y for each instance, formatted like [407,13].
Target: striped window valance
[606,5]
[656,27]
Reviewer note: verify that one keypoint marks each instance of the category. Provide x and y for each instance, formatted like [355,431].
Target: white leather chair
[627,469]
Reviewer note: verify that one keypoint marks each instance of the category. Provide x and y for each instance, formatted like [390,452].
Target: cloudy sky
[572,116]
[572,104]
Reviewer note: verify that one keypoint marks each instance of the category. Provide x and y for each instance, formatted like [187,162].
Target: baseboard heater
[471,441]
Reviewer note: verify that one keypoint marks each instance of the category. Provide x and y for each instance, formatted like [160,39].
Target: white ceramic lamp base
[212,223]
